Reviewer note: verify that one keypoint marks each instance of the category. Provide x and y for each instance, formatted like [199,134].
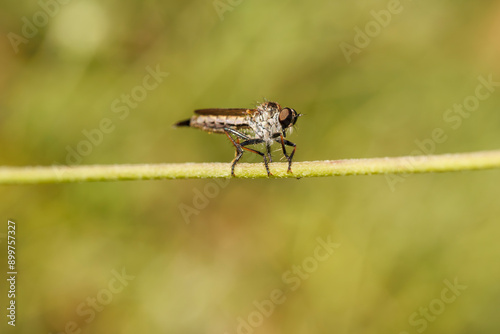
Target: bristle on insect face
[186,122]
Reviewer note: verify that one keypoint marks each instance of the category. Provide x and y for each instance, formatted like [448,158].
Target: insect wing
[225,111]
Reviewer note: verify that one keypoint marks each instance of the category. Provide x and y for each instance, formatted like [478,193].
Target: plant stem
[398,165]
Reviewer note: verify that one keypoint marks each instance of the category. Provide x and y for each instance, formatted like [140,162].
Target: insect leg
[268,151]
[238,153]
[253,142]
[284,142]
[236,133]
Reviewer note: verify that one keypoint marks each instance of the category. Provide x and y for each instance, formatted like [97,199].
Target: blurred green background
[200,256]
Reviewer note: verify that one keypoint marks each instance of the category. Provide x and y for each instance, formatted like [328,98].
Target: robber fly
[266,124]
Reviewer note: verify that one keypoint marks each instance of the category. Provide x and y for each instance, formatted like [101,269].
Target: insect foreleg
[284,142]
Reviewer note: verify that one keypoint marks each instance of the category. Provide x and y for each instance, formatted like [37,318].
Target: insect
[266,124]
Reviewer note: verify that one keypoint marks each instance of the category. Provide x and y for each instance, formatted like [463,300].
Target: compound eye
[286,117]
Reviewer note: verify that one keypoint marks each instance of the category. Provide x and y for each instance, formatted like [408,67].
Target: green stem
[398,165]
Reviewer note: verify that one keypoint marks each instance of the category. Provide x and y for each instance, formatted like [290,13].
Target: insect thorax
[265,124]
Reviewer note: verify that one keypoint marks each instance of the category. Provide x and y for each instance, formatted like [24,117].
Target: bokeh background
[199,256]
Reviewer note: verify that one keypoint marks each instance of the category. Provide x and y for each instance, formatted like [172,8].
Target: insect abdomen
[217,123]
[186,122]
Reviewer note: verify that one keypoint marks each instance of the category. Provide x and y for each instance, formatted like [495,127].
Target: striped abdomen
[216,123]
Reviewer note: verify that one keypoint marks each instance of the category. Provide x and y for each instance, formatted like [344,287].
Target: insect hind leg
[239,151]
